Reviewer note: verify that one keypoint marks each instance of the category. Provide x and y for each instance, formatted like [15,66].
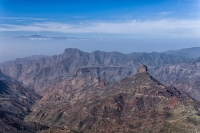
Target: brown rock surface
[143,69]
[136,104]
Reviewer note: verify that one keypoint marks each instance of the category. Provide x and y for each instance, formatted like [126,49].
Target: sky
[47,27]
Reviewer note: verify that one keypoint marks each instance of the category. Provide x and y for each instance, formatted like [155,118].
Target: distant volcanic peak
[143,69]
[38,35]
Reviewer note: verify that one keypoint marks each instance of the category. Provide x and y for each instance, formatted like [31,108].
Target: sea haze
[12,48]
[132,26]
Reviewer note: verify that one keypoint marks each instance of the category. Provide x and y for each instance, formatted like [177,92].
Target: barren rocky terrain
[15,104]
[137,104]
[101,92]
[48,71]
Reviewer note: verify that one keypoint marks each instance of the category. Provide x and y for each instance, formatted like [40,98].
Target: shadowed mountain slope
[15,104]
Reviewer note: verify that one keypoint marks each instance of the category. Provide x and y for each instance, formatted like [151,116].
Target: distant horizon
[131,26]
[91,52]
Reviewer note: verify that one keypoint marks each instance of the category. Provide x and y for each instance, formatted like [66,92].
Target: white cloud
[21,18]
[166,13]
[165,27]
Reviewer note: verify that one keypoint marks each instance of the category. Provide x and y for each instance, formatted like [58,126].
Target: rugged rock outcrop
[137,104]
[143,69]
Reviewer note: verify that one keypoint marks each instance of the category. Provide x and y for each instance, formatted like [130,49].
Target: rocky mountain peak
[143,69]
[72,50]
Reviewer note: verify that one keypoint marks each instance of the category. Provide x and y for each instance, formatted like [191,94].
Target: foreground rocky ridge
[137,104]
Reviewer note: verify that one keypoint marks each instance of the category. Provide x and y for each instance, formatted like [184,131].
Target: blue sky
[124,26]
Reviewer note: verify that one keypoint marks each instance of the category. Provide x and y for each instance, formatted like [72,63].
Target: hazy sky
[108,25]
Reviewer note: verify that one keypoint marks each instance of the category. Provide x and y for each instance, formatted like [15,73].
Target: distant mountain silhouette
[193,52]
[39,36]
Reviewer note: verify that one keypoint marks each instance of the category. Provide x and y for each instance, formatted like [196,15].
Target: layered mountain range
[41,72]
[50,70]
[101,92]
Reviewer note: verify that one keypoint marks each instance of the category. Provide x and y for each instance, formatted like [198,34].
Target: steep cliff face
[137,104]
[111,74]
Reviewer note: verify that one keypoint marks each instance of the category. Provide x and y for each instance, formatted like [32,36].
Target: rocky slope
[15,104]
[49,71]
[136,104]
[185,76]
[79,93]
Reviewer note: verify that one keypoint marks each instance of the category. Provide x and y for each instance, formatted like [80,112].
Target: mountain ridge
[50,70]
[138,103]
[185,52]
